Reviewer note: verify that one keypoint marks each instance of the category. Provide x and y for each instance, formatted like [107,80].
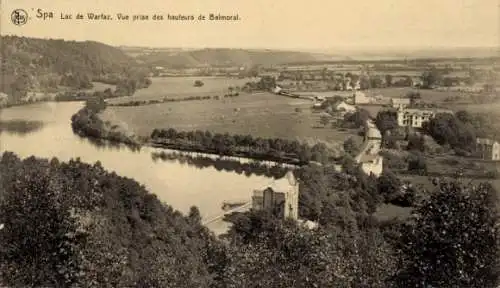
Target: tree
[413,96]
[417,163]
[351,146]
[39,244]
[386,120]
[446,128]
[430,78]
[454,232]
[416,142]
[388,186]
[388,80]
[364,82]
[375,82]
[266,83]
[268,252]
[324,119]
[356,119]
[20,87]
[448,81]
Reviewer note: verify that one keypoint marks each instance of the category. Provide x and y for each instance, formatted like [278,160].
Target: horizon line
[356,48]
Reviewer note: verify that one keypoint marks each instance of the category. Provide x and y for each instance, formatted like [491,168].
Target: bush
[417,163]
[454,232]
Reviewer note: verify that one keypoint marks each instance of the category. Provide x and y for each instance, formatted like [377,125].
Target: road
[368,157]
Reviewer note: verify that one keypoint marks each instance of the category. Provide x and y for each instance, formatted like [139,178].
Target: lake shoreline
[88,124]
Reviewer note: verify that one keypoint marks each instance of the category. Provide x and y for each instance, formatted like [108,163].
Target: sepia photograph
[230,143]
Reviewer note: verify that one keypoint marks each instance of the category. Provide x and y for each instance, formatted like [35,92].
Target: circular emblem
[19,17]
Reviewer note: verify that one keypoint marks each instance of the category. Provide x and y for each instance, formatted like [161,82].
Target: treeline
[459,131]
[86,123]
[20,126]
[31,64]
[124,87]
[170,100]
[272,149]
[220,164]
[90,227]
[265,83]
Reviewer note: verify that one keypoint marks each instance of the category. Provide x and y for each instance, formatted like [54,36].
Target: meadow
[260,115]
[428,96]
[181,87]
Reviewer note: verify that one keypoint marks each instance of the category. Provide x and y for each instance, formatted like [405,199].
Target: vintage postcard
[231,143]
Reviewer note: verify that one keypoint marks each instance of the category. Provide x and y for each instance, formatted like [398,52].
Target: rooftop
[485,141]
[400,100]
[428,110]
[373,133]
[282,184]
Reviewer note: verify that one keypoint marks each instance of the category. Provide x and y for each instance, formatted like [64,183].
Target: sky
[276,24]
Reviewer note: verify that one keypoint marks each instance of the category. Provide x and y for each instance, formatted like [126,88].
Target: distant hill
[226,57]
[380,54]
[32,64]
[35,56]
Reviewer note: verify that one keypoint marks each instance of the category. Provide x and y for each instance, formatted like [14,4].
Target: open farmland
[429,96]
[181,87]
[490,108]
[260,115]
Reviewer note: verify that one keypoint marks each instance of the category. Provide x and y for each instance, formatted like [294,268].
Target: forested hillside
[21,54]
[44,65]
[227,57]
[77,225]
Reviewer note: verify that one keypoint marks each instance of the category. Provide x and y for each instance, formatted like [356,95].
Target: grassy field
[180,87]
[427,95]
[261,115]
[492,108]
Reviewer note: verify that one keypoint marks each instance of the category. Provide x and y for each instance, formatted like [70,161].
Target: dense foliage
[386,120]
[87,123]
[356,119]
[336,199]
[280,150]
[30,64]
[265,83]
[452,240]
[224,164]
[448,129]
[267,252]
[76,225]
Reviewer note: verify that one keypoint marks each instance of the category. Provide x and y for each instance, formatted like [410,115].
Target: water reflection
[20,127]
[175,184]
[101,144]
[239,167]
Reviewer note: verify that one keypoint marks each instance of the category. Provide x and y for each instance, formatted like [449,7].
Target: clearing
[181,87]
[260,115]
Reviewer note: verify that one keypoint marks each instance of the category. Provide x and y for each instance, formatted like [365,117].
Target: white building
[277,90]
[361,98]
[342,106]
[400,103]
[416,117]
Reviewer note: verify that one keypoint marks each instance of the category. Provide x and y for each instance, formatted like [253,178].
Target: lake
[179,185]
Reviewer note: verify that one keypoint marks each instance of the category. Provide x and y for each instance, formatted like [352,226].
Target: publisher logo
[19,17]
